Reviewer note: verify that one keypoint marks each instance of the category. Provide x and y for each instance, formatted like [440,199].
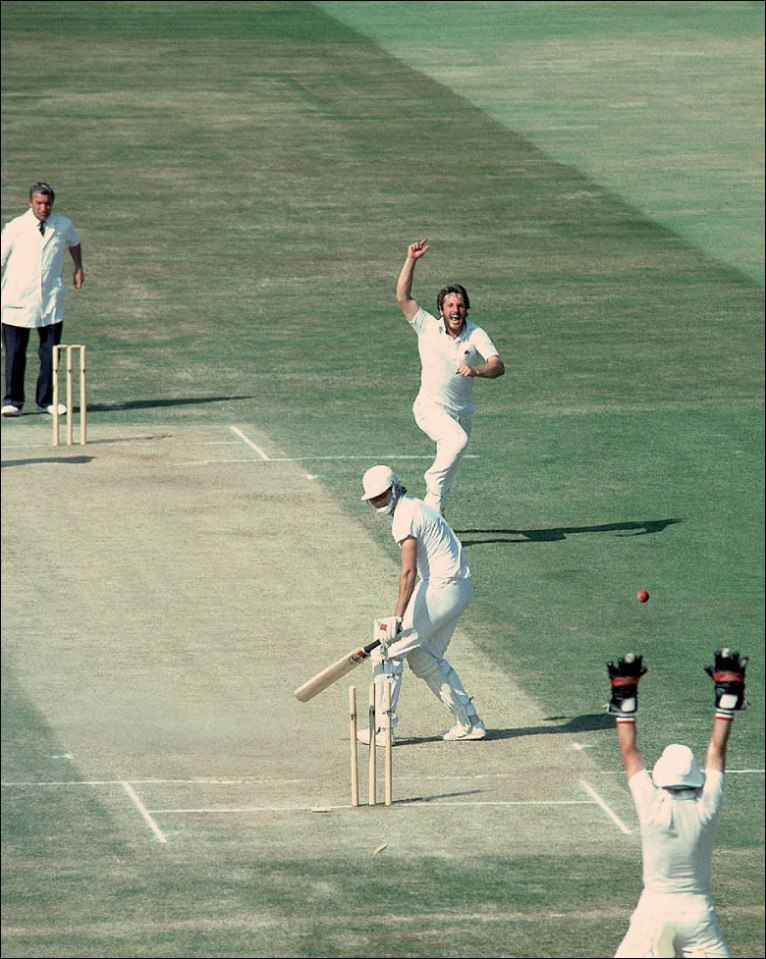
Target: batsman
[434,589]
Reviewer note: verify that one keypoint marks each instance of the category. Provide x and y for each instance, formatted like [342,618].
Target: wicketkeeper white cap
[677,768]
[377,480]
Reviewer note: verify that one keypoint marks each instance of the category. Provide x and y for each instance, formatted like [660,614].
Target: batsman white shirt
[441,354]
[33,289]
[440,555]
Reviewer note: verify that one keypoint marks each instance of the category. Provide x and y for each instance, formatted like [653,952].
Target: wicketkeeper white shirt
[677,833]
[440,356]
[33,289]
[440,555]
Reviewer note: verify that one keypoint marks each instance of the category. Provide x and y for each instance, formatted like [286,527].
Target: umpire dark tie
[41,228]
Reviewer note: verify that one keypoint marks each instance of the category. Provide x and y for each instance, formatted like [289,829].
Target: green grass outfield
[246,178]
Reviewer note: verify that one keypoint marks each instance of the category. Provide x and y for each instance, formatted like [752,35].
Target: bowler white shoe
[460,733]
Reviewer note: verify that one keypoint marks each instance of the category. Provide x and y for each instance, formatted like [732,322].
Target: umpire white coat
[33,288]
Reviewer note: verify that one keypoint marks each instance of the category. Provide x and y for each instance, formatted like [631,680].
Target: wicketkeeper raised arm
[728,674]
[623,705]
[624,677]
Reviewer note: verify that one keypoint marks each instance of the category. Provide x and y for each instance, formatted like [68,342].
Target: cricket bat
[331,674]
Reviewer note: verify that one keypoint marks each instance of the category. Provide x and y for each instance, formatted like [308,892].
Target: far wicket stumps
[57,391]
[372,768]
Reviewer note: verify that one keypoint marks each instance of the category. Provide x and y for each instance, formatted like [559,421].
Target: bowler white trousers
[451,435]
[428,624]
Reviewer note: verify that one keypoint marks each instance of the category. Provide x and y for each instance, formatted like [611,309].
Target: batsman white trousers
[451,435]
[428,625]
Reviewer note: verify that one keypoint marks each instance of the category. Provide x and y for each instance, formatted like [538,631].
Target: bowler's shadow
[119,407]
[557,533]
[57,460]
[576,724]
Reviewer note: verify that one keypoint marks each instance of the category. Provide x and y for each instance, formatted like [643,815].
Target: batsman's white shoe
[10,410]
[50,409]
[380,739]
[460,733]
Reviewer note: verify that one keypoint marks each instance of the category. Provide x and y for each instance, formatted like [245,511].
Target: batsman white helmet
[379,480]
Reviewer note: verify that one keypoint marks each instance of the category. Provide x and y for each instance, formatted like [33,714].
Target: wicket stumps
[354,744]
[69,381]
[372,763]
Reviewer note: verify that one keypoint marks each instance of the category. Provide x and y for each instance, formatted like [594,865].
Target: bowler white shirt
[440,356]
[33,288]
[440,553]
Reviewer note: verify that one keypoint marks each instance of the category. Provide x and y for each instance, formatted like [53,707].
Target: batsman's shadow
[574,724]
[557,533]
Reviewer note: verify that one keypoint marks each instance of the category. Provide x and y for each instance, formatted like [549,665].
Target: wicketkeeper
[678,808]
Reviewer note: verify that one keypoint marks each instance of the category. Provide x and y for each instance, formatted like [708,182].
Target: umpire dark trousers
[15,344]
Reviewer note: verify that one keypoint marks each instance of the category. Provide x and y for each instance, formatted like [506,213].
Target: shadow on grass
[436,797]
[575,724]
[557,533]
[68,461]
[159,403]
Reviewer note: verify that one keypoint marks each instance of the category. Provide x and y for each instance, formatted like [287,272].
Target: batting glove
[387,631]
[728,674]
[624,679]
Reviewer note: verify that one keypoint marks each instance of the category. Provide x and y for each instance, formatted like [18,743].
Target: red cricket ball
[642,596]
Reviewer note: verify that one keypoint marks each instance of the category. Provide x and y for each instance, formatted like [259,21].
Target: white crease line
[300,459]
[144,812]
[613,816]
[272,782]
[420,803]
[239,781]
[250,443]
